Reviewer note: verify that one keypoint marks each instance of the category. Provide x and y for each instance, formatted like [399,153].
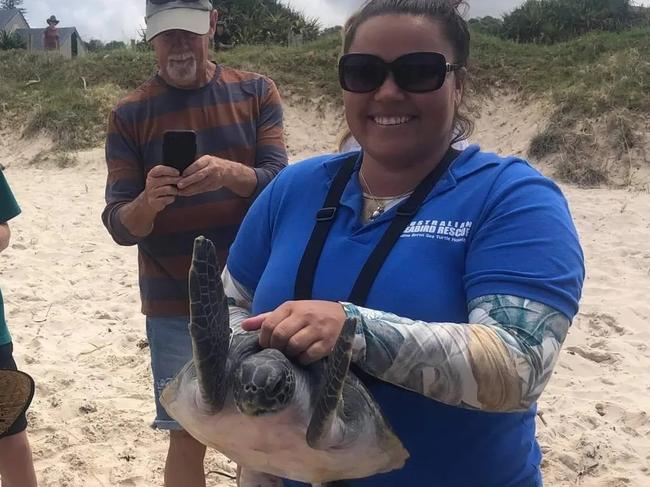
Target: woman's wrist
[350,309]
[359,345]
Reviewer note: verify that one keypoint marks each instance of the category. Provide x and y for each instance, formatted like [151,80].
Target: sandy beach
[72,303]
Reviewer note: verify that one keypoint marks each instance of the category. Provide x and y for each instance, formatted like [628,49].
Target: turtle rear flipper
[209,323]
[328,405]
[16,392]
[251,478]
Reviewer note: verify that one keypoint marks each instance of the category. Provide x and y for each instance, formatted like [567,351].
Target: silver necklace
[381,206]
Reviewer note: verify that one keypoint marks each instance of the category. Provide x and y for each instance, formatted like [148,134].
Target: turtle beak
[264,383]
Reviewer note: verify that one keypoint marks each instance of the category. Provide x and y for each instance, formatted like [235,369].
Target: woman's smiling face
[390,123]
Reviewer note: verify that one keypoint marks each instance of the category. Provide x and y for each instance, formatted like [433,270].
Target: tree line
[551,21]
[248,22]
[264,21]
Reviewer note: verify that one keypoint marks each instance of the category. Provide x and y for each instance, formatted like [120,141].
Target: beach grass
[589,77]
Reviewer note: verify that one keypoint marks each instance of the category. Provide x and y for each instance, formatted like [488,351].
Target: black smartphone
[179,149]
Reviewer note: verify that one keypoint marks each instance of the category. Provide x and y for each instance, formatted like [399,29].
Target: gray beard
[182,75]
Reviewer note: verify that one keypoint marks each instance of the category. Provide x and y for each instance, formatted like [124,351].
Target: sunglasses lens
[162,2]
[420,72]
[361,73]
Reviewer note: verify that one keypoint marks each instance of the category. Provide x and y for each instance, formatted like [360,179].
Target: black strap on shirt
[325,219]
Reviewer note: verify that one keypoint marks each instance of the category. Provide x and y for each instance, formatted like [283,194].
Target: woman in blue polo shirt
[465,267]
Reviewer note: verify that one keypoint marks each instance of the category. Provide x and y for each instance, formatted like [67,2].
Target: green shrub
[590,77]
[550,21]
[73,120]
[11,41]
[546,143]
[264,21]
[486,25]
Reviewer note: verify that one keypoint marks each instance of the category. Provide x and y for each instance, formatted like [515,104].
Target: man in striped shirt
[237,117]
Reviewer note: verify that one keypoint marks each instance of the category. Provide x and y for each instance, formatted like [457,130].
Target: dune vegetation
[601,77]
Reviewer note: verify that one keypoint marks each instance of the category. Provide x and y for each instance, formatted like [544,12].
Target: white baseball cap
[190,15]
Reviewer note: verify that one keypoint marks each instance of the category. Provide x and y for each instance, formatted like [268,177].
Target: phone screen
[179,149]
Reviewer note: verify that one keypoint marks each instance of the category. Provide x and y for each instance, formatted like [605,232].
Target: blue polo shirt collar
[464,165]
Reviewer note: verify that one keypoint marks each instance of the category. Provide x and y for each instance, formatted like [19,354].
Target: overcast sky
[121,19]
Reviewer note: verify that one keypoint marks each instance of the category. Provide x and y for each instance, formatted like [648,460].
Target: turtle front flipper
[328,403]
[209,323]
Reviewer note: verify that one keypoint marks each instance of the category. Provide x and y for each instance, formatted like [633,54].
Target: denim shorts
[171,348]
[7,362]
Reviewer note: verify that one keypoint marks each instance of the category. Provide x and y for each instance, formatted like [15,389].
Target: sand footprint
[594,355]
[604,325]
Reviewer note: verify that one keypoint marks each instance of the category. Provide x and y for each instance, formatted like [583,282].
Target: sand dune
[73,308]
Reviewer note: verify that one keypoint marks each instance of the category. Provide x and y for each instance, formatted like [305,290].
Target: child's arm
[5,235]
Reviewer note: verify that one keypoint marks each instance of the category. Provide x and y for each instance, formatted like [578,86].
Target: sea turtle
[275,418]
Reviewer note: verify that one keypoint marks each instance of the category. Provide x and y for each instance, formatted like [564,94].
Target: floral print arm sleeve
[500,362]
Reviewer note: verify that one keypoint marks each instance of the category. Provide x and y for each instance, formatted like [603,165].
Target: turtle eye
[276,389]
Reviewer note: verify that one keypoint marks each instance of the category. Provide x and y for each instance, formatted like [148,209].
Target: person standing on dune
[51,35]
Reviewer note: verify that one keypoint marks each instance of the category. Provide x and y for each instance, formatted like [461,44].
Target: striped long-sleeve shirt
[237,116]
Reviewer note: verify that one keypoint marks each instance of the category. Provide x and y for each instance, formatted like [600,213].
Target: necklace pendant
[377,213]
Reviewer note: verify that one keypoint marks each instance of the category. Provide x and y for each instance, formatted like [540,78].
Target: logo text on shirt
[452,231]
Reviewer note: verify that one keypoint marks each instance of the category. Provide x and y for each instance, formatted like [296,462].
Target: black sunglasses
[416,72]
[162,2]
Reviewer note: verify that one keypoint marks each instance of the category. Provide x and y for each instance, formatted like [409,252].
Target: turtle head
[264,383]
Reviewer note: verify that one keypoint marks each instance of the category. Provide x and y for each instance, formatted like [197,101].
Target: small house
[12,19]
[70,41]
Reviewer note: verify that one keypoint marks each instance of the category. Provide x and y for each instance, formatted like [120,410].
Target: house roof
[6,14]
[37,36]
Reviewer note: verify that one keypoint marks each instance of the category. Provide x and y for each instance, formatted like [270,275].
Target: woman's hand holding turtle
[306,330]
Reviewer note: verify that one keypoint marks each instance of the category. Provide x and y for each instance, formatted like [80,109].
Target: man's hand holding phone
[160,189]
[209,173]
[198,176]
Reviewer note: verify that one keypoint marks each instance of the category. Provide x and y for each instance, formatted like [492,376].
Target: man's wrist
[239,178]
[137,218]
[230,173]
[145,208]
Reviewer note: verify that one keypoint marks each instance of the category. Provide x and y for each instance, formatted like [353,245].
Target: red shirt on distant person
[51,34]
